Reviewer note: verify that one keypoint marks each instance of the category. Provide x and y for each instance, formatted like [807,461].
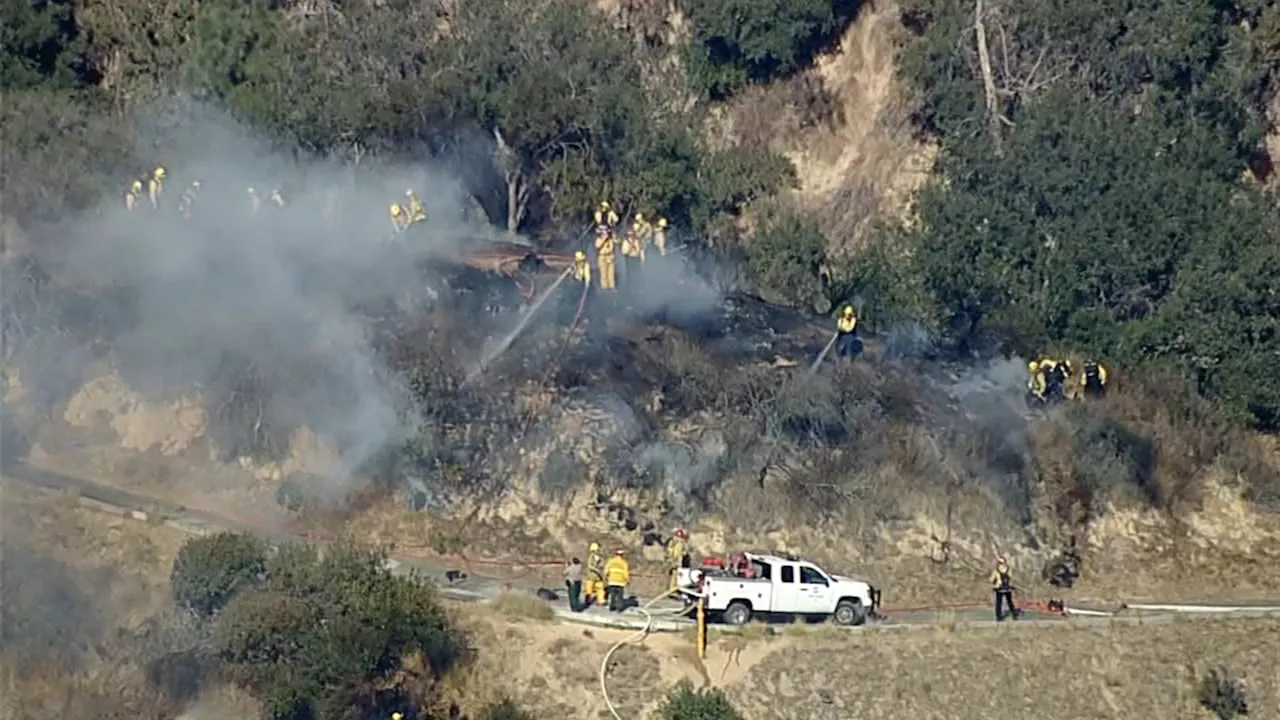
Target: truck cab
[786,586]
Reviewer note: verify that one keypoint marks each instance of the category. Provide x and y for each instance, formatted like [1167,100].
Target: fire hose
[637,638]
[555,362]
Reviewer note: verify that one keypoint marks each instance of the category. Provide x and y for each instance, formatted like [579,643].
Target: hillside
[1062,188]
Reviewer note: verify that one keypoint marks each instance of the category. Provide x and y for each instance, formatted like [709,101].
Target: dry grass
[1063,673]
[520,605]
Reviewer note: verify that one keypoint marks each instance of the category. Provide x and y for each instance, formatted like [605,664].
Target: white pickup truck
[782,586]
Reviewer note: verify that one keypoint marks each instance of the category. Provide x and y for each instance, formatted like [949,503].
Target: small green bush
[786,257]
[686,703]
[210,570]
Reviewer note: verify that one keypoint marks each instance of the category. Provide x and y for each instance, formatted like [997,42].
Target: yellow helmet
[1033,366]
[395,208]
[595,547]
[848,310]
[580,255]
[639,217]
[136,186]
[662,222]
[159,173]
[604,204]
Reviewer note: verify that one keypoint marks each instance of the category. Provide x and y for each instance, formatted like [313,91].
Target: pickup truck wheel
[850,612]
[738,613]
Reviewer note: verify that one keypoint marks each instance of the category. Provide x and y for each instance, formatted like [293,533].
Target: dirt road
[474,581]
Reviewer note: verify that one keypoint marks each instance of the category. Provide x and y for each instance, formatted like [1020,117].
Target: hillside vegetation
[1101,189]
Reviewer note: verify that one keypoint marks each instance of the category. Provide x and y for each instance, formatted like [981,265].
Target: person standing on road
[595,575]
[573,583]
[617,576]
[1002,585]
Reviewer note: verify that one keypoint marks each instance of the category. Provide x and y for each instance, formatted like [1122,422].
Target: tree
[686,703]
[209,571]
[786,257]
[324,635]
[735,42]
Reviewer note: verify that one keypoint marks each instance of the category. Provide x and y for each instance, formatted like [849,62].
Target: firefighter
[132,197]
[1002,586]
[617,576]
[1093,379]
[677,556]
[399,218]
[417,213]
[277,197]
[660,236]
[606,219]
[155,187]
[1036,388]
[188,199]
[606,260]
[633,249]
[1055,379]
[594,588]
[255,201]
[581,268]
[848,344]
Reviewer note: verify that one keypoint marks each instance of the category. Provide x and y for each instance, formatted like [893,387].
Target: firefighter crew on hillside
[848,344]
[593,590]
[1002,586]
[677,556]
[1093,379]
[617,576]
[660,236]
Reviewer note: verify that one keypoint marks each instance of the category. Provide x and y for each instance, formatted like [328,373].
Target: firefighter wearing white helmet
[593,590]
[677,555]
[417,213]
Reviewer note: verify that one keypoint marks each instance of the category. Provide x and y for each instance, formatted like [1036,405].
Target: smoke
[273,292]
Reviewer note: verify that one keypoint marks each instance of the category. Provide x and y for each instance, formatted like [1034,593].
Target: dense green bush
[1103,210]
[735,42]
[786,256]
[209,571]
[686,703]
[327,634]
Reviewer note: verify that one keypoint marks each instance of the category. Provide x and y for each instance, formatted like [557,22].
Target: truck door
[786,589]
[814,592]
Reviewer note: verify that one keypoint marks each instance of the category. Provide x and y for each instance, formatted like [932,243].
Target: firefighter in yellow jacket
[417,213]
[399,218]
[1093,379]
[617,576]
[606,219]
[581,268]
[848,344]
[660,236]
[677,555]
[155,187]
[132,197]
[1037,387]
[633,249]
[606,260]
[593,589]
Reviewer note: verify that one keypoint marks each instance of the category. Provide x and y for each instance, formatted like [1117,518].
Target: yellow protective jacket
[417,213]
[582,271]
[847,324]
[595,567]
[1093,368]
[660,239]
[1036,384]
[606,219]
[1001,579]
[675,552]
[617,571]
[632,245]
[604,245]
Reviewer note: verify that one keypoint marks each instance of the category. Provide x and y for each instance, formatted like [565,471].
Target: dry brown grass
[1063,673]
[522,605]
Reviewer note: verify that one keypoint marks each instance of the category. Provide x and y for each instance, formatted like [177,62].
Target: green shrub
[686,703]
[786,257]
[210,570]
